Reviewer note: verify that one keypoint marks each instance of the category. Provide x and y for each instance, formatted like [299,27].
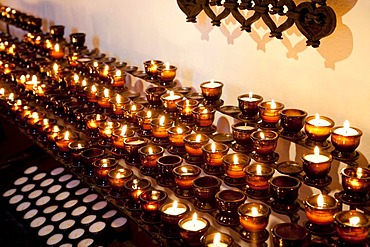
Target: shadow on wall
[293,40]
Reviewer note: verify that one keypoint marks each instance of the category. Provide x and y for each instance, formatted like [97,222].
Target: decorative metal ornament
[314,19]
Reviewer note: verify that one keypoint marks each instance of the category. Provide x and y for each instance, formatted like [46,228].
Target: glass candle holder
[57,52]
[228,202]
[166,74]
[81,117]
[169,101]
[212,91]
[92,123]
[151,201]
[159,127]
[284,191]
[135,187]
[92,95]
[269,112]
[51,133]
[102,167]
[213,154]
[106,130]
[75,148]
[148,157]
[132,146]
[217,239]
[118,79]
[345,140]
[151,68]
[32,122]
[153,95]
[292,121]
[171,214]
[185,108]
[130,112]
[257,178]
[165,165]
[117,104]
[248,105]
[264,145]
[317,129]
[104,97]
[119,136]
[242,135]
[204,117]
[184,177]
[254,218]
[77,40]
[205,189]
[356,185]
[234,165]
[176,135]
[144,119]
[352,226]
[320,210]
[89,156]
[192,228]
[289,234]
[317,166]
[62,140]
[117,178]
[193,147]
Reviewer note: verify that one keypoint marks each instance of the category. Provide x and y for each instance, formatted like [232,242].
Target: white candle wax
[172,97]
[174,211]
[244,127]
[211,84]
[45,230]
[319,122]
[39,176]
[136,142]
[217,245]
[43,200]
[346,132]
[316,158]
[193,225]
[249,99]
[35,194]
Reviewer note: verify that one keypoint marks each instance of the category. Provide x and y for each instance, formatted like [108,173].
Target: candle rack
[314,19]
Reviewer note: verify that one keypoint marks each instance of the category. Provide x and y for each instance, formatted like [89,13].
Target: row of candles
[269,120]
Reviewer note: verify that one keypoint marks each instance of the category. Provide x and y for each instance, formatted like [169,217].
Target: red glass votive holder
[257,178]
[269,112]
[345,140]
[166,74]
[57,52]
[75,148]
[292,121]
[92,95]
[171,214]
[176,135]
[356,185]
[117,104]
[118,79]
[205,189]
[104,97]
[192,228]
[89,156]
[248,105]
[234,169]
[148,158]
[204,117]
[130,112]
[242,136]
[184,177]
[228,202]
[264,145]
[92,123]
[135,187]
[62,140]
[132,146]
[159,127]
[212,91]
[352,227]
[320,210]
[102,167]
[153,95]
[193,147]
[217,239]
[284,191]
[213,154]
[254,218]
[144,119]
[289,234]
[317,129]
[317,166]
[106,130]
[118,138]
[151,68]
[169,101]
[117,178]
[165,165]
[151,201]
[185,108]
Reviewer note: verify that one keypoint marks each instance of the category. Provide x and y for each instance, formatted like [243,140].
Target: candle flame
[184,169]
[353,221]
[118,99]
[55,129]
[133,108]
[194,218]
[259,170]
[93,89]
[320,201]
[205,111]
[198,138]
[124,129]
[254,211]
[359,173]
[19,102]
[262,135]
[235,159]
[98,117]
[35,115]
[56,47]
[317,117]
[118,73]
[34,79]
[179,130]
[79,146]
[217,239]
[66,135]
[23,79]
[45,121]
[135,183]
[174,205]
[187,102]
[55,67]
[109,124]
[76,77]
[11,97]
[250,95]
[118,175]
[346,126]
[2,91]
[167,65]
[171,94]
[161,120]
[150,150]
[106,69]
[273,104]
[213,147]
[316,151]
[149,114]
[106,93]
[84,83]
[105,163]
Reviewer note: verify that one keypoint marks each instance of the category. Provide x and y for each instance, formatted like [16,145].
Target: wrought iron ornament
[314,19]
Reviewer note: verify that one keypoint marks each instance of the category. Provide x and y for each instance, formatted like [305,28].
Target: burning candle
[345,139]
[234,165]
[254,216]
[117,178]
[248,105]
[145,118]
[119,136]
[257,177]
[135,187]
[184,177]
[352,226]
[270,112]
[192,228]
[167,73]
[193,147]
[119,78]
[211,91]
[101,169]
[292,121]
[132,146]
[317,129]
[171,214]
[117,105]
[92,94]
[174,208]
[169,101]
[316,165]
[148,157]
[33,84]
[264,144]
[151,201]
[57,52]
[242,135]
[320,209]
[213,154]
[356,180]
[185,108]
[160,126]
[131,111]
[217,240]
[176,137]
[104,99]
[63,139]
[151,68]
[204,116]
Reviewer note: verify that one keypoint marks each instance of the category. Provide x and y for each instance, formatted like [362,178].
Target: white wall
[331,80]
